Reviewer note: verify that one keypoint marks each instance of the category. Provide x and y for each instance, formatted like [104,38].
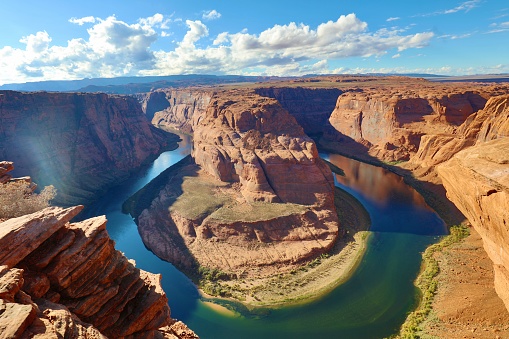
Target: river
[371,304]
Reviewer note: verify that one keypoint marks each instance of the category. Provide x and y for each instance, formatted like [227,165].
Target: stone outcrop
[265,198]
[80,143]
[177,109]
[62,279]
[477,181]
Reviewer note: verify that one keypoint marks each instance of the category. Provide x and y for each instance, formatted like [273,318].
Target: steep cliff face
[177,109]
[255,199]
[250,139]
[484,125]
[392,123]
[67,280]
[477,181]
[311,107]
[80,143]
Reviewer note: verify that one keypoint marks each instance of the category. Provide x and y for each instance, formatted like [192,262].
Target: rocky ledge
[62,279]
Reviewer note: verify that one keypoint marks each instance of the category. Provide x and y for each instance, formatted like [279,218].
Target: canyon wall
[80,143]
[311,107]
[177,109]
[392,122]
[477,181]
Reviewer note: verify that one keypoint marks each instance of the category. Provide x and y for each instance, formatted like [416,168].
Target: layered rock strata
[80,143]
[311,107]
[477,181]
[62,279]
[266,199]
[178,109]
[391,123]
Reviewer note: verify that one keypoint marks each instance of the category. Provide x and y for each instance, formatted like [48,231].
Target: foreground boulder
[62,279]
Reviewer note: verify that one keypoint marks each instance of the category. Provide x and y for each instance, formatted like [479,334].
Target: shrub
[17,199]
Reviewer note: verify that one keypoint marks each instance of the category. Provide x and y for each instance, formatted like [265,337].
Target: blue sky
[50,40]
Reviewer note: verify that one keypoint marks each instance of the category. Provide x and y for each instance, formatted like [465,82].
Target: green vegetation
[427,282]
[394,163]
[199,198]
[17,199]
[257,211]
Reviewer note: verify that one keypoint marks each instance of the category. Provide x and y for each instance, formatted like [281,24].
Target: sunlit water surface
[371,304]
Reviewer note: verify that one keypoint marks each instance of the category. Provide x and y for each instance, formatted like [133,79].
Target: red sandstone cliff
[177,109]
[311,107]
[251,139]
[477,181]
[391,123]
[80,143]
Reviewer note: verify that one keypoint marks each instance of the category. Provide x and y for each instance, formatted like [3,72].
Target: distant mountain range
[131,85]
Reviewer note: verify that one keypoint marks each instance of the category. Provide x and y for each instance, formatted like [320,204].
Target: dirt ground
[466,305]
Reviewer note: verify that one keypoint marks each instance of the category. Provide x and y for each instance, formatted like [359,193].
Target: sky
[61,40]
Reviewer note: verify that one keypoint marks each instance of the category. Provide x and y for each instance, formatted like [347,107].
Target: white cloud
[151,21]
[465,6]
[221,38]
[393,19]
[499,27]
[115,48]
[395,56]
[37,43]
[211,15]
[81,21]
[455,36]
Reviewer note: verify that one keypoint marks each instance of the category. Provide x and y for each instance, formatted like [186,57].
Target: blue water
[371,304]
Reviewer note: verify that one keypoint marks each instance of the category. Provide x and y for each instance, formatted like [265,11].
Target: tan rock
[20,236]
[14,319]
[100,292]
[477,181]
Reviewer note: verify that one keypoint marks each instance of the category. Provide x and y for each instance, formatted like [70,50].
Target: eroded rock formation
[477,181]
[80,143]
[265,198]
[66,279]
[177,109]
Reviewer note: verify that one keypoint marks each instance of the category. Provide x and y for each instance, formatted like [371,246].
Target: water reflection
[392,204]
[372,304]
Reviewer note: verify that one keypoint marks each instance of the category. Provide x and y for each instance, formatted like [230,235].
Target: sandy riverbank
[466,304]
[314,278]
